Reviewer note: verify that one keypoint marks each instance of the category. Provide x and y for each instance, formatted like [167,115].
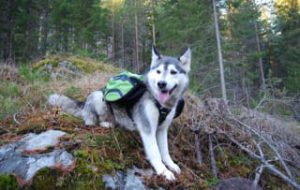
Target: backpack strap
[163,112]
[179,108]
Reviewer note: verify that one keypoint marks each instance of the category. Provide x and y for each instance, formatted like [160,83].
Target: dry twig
[267,142]
[266,163]
[15,119]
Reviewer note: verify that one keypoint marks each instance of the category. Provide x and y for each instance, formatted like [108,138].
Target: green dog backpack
[124,89]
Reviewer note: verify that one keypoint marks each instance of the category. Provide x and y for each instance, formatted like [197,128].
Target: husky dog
[151,115]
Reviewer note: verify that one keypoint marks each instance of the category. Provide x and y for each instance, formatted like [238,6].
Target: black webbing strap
[163,112]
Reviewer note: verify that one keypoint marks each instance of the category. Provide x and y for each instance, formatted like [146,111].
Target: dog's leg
[88,115]
[153,155]
[162,140]
[147,126]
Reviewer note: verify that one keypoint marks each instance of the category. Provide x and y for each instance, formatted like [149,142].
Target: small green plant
[30,75]
[9,89]
[8,182]
[210,182]
[8,106]
[9,93]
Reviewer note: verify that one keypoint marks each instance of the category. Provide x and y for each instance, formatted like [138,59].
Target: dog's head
[168,76]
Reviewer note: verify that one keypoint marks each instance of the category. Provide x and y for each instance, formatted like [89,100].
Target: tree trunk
[153,24]
[219,52]
[65,39]
[10,20]
[122,44]
[137,67]
[44,41]
[113,53]
[260,62]
[44,31]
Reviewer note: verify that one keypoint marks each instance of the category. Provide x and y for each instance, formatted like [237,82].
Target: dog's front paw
[174,167]
[167,174]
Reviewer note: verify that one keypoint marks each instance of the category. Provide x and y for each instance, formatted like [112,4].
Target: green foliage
[286,46]
[242,28]
[81,64]
[181,24]
[211,182]
[31,75]
[8,182]
[34,28]
[8,106]
[9,95]
[9,89]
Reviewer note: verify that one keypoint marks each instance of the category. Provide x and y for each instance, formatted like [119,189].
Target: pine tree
[243,48]
[180,24]
[287,47]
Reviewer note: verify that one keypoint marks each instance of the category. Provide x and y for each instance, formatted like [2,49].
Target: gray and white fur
[166,82]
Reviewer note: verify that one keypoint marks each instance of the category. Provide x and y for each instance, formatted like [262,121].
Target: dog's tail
[67,104]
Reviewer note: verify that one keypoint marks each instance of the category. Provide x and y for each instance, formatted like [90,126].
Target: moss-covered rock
[85,65]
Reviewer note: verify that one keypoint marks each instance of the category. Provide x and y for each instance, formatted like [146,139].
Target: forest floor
[211,141]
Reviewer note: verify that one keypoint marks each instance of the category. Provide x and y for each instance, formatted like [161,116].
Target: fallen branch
[260,168]
[261,102]
[264,140]
[212,157]
[259,171]
[199,157]
[266,163]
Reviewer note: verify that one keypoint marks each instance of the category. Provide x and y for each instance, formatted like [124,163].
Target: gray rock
[133,182]
[126,181]
[236,183]
[41,142]
[24,167]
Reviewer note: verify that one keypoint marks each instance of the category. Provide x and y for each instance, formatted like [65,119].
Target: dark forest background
[260,41]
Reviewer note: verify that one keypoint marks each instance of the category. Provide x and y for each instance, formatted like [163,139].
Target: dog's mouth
[165,94]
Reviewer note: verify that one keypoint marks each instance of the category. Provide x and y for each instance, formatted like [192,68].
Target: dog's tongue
[163,97]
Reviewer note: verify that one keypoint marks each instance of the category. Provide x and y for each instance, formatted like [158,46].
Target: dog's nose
[162,84]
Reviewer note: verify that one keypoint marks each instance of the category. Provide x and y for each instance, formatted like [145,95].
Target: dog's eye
[173,72]
[158,71]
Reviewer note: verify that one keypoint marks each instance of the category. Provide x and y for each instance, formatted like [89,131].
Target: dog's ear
[185,60]
[155,56]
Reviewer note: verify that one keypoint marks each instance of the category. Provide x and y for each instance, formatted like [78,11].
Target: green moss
[31,75]
[110,165]
[73,92]
[210,182]
[8,182]
[83,64]
[45,179]
[81,154]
